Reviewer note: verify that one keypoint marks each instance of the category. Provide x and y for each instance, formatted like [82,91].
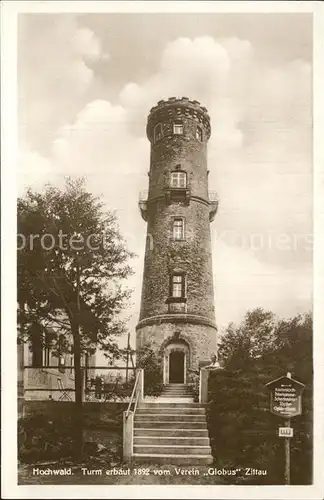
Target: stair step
[175,397]
[170,417]
[158,405]
[187,386]
[169,432]
[179,410]
[178,394]
[173,424]
[172,449]
[171,459]
[176,390]
[177,387]
[171,440]
[173,393]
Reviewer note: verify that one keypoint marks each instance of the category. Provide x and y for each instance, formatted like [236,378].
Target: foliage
[194,383]
[246,342]
[71,260]
[151,362]
[42,438]
[88,254]
[243,431]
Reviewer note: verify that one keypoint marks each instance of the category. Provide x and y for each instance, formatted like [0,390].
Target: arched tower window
[178,127]
[178,179]
[199,133]
[158,132]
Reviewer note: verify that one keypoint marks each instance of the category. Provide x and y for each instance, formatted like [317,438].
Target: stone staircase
[171,430]
[176,391]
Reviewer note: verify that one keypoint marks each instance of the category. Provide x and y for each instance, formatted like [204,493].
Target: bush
[44,438]
[194,383]
[244,433]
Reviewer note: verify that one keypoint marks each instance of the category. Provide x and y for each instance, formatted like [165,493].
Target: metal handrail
[136,401]
[133,392]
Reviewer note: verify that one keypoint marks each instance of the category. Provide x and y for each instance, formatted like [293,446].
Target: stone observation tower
[177,316]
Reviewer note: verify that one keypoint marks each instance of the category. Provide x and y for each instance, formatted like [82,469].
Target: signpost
[285,402]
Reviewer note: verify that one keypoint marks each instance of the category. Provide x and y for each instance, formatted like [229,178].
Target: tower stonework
[177,316]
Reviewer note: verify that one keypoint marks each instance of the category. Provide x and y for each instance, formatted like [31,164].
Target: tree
[72,262]
[243,431]
[254,337]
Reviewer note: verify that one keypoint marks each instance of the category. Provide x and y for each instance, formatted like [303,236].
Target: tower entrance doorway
[176,361]
[176,367]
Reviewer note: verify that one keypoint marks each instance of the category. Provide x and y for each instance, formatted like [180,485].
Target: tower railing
[143,195]
[212,196]
[213,203]
[142,203]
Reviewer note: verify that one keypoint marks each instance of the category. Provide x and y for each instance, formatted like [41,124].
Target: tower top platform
[178,108]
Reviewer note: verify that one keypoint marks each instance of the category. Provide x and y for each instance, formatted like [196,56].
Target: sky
[86,83]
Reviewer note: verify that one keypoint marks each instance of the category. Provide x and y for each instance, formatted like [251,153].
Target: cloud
[54,77]
[34,169]
[85,44]
[241,282]
[100,146]
[99,142]
[259,158]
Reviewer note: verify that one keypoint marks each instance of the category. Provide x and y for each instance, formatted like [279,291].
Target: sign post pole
[287,454]
[285,402]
